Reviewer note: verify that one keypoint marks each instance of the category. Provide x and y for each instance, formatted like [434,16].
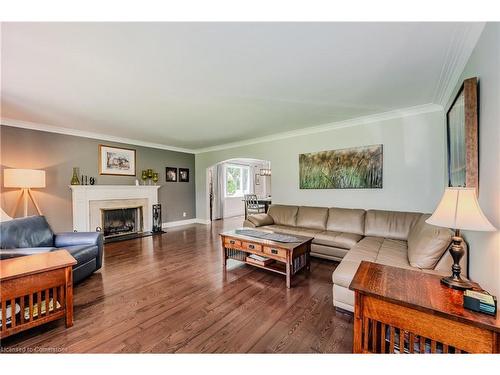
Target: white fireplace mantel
[82,195]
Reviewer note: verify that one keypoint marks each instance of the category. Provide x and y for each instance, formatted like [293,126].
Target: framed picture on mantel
[116,161]
[462,137]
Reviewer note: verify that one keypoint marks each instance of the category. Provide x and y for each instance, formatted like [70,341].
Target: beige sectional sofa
[400,239]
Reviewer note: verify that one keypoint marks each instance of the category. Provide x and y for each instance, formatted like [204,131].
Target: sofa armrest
[81,238]
[260,220]
[76,238]
[248,224]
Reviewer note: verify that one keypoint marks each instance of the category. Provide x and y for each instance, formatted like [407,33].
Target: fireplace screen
[120,221]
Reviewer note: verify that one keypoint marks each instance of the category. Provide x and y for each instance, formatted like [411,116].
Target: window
[237,180]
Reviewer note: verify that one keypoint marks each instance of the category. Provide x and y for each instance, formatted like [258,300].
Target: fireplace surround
[89,201]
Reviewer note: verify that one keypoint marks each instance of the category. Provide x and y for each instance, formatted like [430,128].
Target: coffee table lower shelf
[277,266]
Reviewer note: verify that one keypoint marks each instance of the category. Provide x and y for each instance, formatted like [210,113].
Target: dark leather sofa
[33,235]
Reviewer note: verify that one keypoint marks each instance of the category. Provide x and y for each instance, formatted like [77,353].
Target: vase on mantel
[74,179]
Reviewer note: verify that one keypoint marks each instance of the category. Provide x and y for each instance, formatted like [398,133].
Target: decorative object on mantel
[462,137]
[265,171]
[183,174]
[144,176]
[350,168]
[26,179]
[157,218]
[156,177]
[116,161]
[171,174]
[149,175]
[459,209]
[74,179]
[92,181]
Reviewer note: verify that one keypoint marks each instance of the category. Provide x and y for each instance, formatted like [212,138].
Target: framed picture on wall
[349,168]
[183,174]
[462,137]
[116,161]
[171,174]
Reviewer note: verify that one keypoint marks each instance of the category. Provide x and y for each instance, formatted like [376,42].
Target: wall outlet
[184,214]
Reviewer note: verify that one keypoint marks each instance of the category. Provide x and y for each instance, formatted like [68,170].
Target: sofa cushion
[312,217]
[366,249]
[346,220]
[283,215]
[390,224]
[260,219]
[427,243]
[26,232]
[393,253]
[337,239]
[328,252]
[307,232]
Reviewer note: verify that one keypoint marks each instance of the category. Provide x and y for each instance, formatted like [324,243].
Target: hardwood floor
[169,294]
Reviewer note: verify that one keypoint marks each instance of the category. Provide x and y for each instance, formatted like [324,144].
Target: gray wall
[57,154]
[484,63]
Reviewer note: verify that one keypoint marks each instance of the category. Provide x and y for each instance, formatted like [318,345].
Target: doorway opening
[230,180]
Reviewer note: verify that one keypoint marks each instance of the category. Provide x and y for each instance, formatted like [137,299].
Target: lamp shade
[23,178]
[459,209]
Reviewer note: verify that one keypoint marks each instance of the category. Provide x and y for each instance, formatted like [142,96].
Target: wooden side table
[35,290]
[405,311]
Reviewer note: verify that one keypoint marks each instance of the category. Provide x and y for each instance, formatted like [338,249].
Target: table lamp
[24,179]
[459,209]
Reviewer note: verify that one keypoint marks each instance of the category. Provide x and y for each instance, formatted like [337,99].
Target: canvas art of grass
[350,168]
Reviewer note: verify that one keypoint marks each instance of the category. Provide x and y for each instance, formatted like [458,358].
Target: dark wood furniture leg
[224,257]
[357,324]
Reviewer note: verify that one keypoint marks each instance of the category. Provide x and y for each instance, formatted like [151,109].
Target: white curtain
[218,186]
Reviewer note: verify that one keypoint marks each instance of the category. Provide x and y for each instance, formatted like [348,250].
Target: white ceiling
[197,85]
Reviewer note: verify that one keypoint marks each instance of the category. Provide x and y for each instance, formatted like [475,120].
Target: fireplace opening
[121,221]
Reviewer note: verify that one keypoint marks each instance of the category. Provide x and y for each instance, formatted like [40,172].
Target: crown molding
[398,113]
[459,51]
[86,134]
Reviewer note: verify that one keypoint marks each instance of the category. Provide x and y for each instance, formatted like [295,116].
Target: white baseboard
[172,224]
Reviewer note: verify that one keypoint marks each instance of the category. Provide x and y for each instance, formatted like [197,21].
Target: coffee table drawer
[232,243]
[251,246]
[275,251]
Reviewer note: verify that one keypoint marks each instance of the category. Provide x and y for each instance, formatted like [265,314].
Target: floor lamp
[24,179]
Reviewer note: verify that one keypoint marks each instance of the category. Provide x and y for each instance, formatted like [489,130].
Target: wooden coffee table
[36,289]
[288,257]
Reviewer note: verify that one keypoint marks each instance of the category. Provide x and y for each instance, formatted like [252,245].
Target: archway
[229,180]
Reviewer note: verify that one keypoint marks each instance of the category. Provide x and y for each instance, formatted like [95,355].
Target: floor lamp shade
[24,178]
